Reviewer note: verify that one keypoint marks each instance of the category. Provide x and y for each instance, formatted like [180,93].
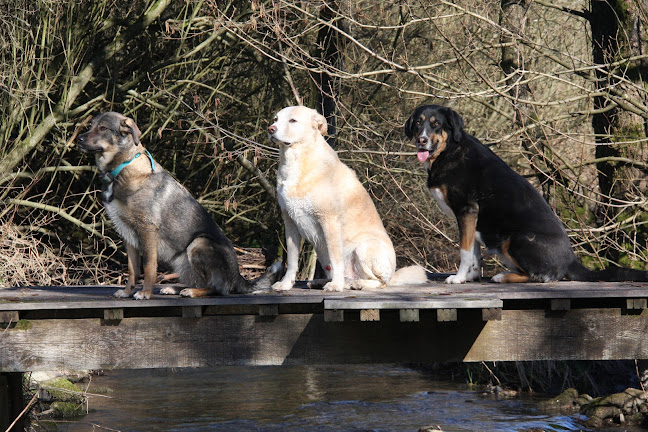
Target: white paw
[169,291]
[334,286]
[455,279]
[141,295]
[283,285]
[498,278]
[187,292]
[121,294]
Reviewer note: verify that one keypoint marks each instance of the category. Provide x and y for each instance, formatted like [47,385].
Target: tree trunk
[618,131]
[619,32]
[329,51]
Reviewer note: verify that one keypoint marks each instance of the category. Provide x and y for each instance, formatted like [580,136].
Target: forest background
[556,88]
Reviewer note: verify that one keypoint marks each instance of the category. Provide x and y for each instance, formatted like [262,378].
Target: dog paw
[455,279]
[169,291]
[142,295]
[282,286]
[498,278]
[122,294]
[332,286]
[187,292]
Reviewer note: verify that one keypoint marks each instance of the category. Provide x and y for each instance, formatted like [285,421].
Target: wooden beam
[409,315]
[268,310]
[576,334]
[161,342]
[191,311]
[370,315]
[444,315]
[492,314]
[636,303]
[333,315]
[9,317]
[560,304]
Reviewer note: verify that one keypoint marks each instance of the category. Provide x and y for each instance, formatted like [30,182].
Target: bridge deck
[86,328]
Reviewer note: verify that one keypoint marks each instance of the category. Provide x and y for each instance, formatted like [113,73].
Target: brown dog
[159,220]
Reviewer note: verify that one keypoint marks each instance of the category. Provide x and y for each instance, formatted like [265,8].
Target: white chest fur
[437,194]
[114,209]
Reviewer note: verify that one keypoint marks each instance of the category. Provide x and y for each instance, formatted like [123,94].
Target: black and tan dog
[159,220]
[495,206]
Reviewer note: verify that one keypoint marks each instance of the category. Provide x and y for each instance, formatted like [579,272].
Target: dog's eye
[292,121]
[435,124]
[102,128]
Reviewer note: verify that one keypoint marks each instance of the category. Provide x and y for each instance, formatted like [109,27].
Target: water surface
[315,398]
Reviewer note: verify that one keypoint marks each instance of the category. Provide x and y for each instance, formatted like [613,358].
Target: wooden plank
[269,310]
[412,303]
[636,303]
[409,315]
[370,315]
[560,304]
[445,315]
[521,335]
[192,312]
[9,317]
[492,314]
[113,314]
[228,340]
[333,315]
[578,334]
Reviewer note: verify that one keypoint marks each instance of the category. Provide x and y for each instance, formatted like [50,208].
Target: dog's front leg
[134,263]
[149,247]
[470,266]
[332,230]
[293,242]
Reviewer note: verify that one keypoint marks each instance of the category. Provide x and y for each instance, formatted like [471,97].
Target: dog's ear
[408,127]
[128,126]
[456,123]
[319,121]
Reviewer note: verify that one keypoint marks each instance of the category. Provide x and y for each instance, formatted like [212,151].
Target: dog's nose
[272,129]
[80,139]
[422,140]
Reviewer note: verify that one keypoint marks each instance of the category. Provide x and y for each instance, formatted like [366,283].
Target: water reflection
[322,398]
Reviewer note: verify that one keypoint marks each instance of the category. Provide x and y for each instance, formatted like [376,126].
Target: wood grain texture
[576,334]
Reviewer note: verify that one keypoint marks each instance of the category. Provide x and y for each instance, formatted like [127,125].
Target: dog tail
[408,275]
[265,281]
[578,272]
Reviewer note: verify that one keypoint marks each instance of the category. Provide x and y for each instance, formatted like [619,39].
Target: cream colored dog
[322,201]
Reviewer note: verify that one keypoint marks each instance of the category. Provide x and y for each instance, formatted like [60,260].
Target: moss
[101,390]
[23,325]
[67,410]
[629,132]
[63,390]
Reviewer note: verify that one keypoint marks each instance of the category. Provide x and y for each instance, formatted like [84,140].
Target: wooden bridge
[46,328]
[50,328]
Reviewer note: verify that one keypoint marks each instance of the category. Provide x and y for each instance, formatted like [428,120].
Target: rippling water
[319,398]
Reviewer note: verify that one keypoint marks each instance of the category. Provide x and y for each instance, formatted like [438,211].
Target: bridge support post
[11,401]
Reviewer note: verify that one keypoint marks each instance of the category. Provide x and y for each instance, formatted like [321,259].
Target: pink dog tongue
[423,155]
